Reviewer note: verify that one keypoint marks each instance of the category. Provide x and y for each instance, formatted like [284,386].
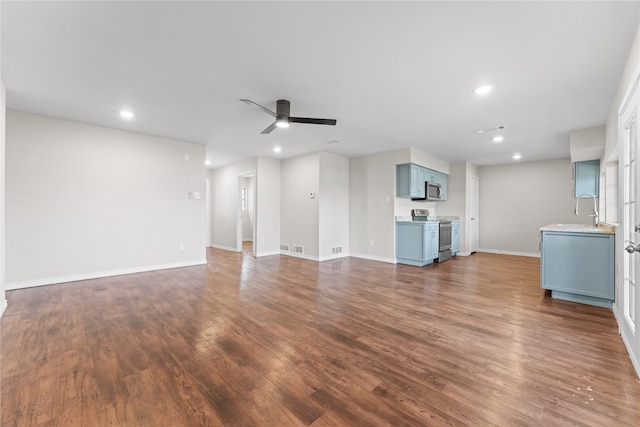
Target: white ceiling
[394,74]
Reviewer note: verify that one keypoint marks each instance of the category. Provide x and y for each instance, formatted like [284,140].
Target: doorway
[627,296]
[473,215]
[246,212]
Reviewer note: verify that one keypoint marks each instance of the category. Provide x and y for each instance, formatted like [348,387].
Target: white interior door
[473,215]
[209,218]
[628,297]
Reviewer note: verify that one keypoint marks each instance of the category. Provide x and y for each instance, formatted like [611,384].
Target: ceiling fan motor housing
[283,108]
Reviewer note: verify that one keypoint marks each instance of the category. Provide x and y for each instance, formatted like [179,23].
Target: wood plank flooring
[282,341]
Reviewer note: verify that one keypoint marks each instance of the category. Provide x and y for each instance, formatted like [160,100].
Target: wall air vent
[284,247]
[336,250]
[297,249]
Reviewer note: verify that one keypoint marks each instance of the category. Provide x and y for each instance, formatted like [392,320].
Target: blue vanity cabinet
[455,237]
[417,242]
[578,267]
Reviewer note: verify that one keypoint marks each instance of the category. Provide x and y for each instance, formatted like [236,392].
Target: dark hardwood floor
[281,341]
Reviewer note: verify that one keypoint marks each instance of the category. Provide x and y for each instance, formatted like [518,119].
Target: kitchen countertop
[430,219]
[580,228]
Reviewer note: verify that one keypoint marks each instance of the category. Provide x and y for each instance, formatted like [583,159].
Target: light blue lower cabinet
[416,243]
[455,237]
[578,267]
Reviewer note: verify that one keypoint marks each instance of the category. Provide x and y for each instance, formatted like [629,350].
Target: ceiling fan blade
[266,110]
[309,120]
[269,129]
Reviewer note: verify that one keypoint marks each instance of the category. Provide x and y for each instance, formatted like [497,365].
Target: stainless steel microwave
[432,191]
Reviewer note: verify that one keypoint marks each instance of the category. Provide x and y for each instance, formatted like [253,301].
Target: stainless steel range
[444,249]
[444,240]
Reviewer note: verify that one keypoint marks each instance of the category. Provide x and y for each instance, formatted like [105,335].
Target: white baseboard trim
[99,274]
[3,307]
[634,360]
[632,355]
[501,252]
[261,254]
[331,257]
[303,256]
[225,248]
[375,258]
[616,315]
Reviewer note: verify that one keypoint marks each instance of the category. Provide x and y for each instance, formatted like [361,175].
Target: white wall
[428,161]
[85,201]
[300,218]
[517,199]
[3,300]
[372,201]
[333,212]
[587,144]
[268,207]
[630,72]
[225,203]
[456,203]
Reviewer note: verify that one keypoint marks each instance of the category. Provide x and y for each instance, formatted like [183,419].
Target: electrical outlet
[181,247]
[186,157]
[371,242]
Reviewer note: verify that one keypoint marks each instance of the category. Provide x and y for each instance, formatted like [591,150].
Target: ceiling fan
[283,118]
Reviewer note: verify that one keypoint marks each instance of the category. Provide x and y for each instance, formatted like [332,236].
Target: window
[243,200]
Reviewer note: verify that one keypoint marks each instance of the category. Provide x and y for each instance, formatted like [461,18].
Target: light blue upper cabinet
[444,183]
[586,178]
[410,179]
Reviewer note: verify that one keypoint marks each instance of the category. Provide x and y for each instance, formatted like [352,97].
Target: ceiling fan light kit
[283,118]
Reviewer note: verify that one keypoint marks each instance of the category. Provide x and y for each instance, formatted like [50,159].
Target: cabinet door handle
[637,228]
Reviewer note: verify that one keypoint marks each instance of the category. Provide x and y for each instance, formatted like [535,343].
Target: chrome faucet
[576,210]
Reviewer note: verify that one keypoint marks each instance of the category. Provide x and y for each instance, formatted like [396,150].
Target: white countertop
[430,219]
[580,228]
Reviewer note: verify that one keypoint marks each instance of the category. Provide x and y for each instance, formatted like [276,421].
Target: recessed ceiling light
[207,162]
[277,149]
[517,156]
[498,138]
[483,90]
[126,114]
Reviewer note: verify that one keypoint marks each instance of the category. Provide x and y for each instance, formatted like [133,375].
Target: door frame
[630,334]
[239,222]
